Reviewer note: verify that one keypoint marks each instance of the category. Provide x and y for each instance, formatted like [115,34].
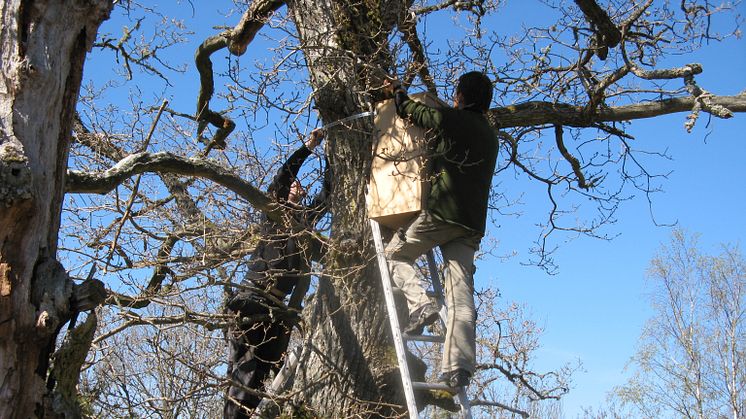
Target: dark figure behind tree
[279,265]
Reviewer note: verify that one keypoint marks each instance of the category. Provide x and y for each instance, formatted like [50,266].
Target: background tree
[693,350]
[169,235]
[37,102]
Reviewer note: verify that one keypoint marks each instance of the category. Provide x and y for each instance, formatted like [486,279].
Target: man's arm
[420,114]
[288,173]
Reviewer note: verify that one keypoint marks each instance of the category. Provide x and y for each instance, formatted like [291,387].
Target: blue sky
[594,308]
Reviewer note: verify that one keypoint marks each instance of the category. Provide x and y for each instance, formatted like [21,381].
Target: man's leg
[403,249]
[243,372]
[421,235]
[272,351]
[236,353]
[424,233]
[459,351]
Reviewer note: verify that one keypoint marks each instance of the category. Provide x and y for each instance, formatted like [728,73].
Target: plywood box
[399,182]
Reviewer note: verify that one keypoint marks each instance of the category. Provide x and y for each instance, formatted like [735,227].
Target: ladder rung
[424,338]
[400,338]
[419,385]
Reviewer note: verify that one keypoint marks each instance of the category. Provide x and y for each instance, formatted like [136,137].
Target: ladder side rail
[288,368]
[394,319]
[435,278]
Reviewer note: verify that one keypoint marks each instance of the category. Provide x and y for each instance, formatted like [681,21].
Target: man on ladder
[463,155]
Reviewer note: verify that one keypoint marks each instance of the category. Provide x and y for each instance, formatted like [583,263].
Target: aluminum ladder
[400,338]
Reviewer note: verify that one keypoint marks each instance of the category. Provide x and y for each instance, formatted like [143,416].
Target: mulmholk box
[399,181]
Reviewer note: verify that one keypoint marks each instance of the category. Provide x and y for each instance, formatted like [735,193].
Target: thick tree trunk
[43,46]
[350,367]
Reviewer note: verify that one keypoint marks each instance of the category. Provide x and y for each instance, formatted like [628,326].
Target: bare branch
[607,34]
[571,159]
[250,24]
[95,141]
[408,26]
[669,73]
[128,208]
[521,377]
[104,182]
[545,113]
[520,412]
[474,6]
[236,40]
[207,87]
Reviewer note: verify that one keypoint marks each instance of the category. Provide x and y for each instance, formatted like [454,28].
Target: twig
[131,201]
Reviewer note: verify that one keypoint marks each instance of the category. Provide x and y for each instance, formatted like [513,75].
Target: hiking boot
[423,316]
[455,379]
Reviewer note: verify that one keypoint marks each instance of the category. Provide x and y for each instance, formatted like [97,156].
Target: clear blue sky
[593,310]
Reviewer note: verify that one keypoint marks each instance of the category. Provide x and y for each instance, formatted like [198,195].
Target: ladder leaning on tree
[400,338]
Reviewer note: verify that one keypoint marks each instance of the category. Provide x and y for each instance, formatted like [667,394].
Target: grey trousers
[457,245]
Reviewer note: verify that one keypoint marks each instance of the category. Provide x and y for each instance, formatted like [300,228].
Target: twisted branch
[237,40]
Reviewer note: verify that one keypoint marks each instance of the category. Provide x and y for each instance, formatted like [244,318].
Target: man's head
[473,89]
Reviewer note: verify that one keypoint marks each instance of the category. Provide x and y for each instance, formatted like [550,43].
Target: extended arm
[280,186]
[288,173]
[419,113]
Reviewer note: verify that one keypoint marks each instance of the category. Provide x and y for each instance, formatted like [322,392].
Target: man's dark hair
[476,90]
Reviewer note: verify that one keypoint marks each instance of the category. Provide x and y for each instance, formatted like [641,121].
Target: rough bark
[350,355]
[68,361]
[43,49]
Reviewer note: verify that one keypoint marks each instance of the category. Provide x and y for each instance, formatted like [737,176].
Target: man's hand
[314,138]
[391,85]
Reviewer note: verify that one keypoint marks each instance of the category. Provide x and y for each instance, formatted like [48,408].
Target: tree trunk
[43,46]
[350,367]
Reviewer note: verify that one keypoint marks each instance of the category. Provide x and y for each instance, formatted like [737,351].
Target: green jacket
[463,161]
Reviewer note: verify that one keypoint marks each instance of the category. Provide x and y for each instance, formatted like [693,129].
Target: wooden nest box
[399,183]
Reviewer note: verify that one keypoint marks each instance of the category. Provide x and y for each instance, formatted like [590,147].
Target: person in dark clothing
[279,265]
[463,154]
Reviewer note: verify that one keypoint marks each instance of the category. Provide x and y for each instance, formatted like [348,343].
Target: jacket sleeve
[280,186]
[420,114]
